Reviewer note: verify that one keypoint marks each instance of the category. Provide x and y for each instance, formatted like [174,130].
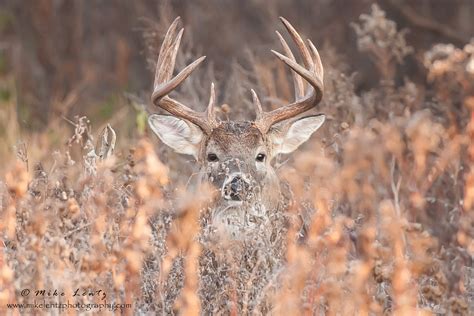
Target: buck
[237,157]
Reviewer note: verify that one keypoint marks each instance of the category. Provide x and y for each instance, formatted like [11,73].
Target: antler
[164,83]
[312,72]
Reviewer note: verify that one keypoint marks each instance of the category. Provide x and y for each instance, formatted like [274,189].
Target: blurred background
[390,173]
[69,57]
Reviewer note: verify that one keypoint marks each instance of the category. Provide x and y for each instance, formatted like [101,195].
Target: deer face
[234,160]
[238,160]
[237,157]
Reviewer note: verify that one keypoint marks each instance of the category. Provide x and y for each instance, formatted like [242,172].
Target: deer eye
[212,157]
[260,157]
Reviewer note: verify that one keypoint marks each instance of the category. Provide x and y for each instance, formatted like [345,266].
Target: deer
[237,157]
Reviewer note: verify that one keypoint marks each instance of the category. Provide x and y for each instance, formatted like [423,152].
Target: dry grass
[380,216]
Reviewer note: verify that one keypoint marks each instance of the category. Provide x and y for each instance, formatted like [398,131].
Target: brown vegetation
[381,202]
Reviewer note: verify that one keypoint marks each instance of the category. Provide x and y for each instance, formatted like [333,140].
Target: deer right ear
[181,135]
[289,136]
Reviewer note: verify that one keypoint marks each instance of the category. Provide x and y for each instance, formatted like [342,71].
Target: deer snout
[235,188]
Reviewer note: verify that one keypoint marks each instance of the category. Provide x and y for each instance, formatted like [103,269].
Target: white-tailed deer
[236,157]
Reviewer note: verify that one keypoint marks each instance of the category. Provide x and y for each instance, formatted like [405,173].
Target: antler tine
[307,60]
[168,61]
[168,40]
[165,83]
[312,73]
[210,112]
[258,105]
[306,74]
[317,59]
[297,81]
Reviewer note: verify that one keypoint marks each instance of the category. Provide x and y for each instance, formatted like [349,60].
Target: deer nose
[235,189]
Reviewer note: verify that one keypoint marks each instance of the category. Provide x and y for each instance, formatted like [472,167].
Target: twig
[77,229]
[68,120]
[395,187]
[396,199]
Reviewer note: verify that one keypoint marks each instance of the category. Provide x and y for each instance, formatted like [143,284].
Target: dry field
[380,216]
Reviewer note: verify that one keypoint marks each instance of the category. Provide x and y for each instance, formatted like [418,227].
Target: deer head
[236,157]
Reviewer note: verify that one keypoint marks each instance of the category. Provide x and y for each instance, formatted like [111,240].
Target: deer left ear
[287,137]
[181,135]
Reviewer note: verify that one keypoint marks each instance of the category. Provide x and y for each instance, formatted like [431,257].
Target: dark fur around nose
[236,189]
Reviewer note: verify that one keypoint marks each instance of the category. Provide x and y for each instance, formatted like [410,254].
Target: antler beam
[312,72]
[165,83]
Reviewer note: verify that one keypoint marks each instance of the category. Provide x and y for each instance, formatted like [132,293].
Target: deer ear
[287,137]
[181,135]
